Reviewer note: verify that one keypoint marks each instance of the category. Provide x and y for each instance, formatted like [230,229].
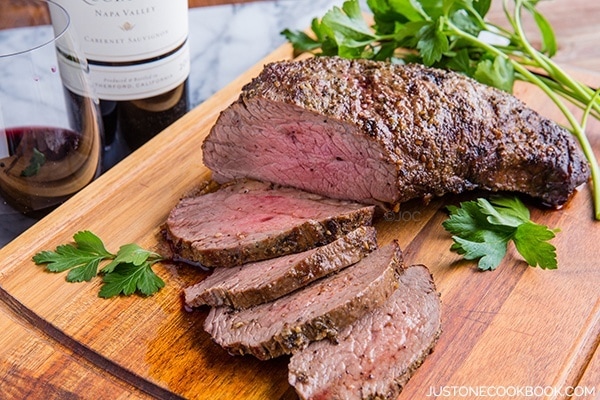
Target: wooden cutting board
[516,327]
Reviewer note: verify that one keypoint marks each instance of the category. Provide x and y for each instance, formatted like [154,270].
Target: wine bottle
[138,56]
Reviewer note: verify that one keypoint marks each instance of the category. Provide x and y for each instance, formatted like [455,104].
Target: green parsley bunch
[129,271]
[482,229]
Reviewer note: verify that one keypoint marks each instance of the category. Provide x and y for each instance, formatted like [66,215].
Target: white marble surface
[225,41]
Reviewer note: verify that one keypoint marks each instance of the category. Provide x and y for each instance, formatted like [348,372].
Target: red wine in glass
[45,166]
[50,126]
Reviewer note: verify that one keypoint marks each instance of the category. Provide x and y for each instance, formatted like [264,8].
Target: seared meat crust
[377,132]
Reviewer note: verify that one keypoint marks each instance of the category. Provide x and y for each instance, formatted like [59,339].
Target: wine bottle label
[135,48]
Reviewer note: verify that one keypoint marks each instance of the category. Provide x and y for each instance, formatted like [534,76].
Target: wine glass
[50,126]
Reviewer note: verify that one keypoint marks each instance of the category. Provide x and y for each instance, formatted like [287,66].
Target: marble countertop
[225,41]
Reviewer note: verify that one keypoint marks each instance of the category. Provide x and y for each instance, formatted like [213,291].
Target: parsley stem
[559,75]
[553,70]
[588,110]
[577,130]
[571,97]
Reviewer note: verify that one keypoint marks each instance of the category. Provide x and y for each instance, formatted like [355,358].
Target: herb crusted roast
[262,281]
[246,221]
[376,355]
[376,132]
[320,310]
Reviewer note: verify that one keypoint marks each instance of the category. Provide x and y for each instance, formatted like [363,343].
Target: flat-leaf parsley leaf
[482,229]
[129,271]
[127,278]
[81,258]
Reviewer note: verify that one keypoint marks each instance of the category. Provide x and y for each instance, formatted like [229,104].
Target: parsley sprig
[482,229]
[129,271]
[454,34]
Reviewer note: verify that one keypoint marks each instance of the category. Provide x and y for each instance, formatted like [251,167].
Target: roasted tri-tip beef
[377,132]
[263,281]
[318,311]
[375,356]
[246,221]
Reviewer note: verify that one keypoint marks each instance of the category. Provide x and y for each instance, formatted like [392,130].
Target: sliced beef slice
[263,281]
[380,132]
[318,311]
[247,221]
[376,355]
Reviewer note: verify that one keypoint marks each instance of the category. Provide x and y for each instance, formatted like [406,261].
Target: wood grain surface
[517,326]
